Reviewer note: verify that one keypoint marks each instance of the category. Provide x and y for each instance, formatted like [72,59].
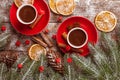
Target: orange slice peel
[18,3]
[105,21]
[35,52]
[65,7]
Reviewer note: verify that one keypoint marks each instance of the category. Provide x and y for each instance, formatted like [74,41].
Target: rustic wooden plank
[17,36]
[86,8]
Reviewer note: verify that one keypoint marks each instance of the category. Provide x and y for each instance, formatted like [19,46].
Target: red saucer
[85,24]
[26,30]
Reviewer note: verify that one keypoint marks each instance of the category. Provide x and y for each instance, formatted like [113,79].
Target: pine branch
[1,73]
[114,51]
[16,73]
[28,70]
[41,64]
[69,72]
[70,69]
[106,61]
[87,68]
[101,62]
[4,39]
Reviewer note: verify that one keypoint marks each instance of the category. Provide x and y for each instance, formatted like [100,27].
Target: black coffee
[27,14]
[77,37]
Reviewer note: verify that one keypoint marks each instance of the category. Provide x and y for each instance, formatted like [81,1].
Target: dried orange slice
[20,2]
[105,21]
[35,51]
[65,7]
[52,4]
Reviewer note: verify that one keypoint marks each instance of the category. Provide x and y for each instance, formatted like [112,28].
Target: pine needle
[69,72]
[41,59]
[3,39]
[1,73]
[28,70]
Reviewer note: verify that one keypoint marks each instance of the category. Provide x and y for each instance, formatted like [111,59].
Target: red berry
[3,28]
[58,60]
[46,31]
[20,66]
[54,37]
[41,68]
[27,42]
[17,43]
[67,48]
[69,60]
[59,18]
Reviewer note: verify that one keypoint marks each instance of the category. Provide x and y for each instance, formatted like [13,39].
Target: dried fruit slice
[20,2]
[52,4]
[65,7]
[105,21]
[35,51]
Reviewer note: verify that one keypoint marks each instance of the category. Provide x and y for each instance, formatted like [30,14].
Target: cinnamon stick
[69,27]
[64,35]
[61,45]
[38,18]
[76,50]
[46,39]
[39,41]
[76,24]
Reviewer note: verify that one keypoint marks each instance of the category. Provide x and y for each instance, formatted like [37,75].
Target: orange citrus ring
[105,21]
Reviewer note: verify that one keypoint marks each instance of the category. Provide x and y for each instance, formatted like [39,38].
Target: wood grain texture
[85,8]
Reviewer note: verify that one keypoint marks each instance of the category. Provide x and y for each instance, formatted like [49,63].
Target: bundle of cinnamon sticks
[43,40]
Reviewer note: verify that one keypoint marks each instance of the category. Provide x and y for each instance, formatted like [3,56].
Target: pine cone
[52,56]
[8,57]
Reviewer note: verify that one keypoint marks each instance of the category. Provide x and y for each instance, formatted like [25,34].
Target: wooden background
[85,8]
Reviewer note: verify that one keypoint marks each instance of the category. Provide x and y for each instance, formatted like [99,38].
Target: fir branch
[18,62]
[24,60]
[85,63]
[70,69]
[52,78]
[3,39]
[69,72]
[28,70]
[99,56]
[114,56]
[106,61]
[113,52]
[101,61]
[41,59]
[1,73]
